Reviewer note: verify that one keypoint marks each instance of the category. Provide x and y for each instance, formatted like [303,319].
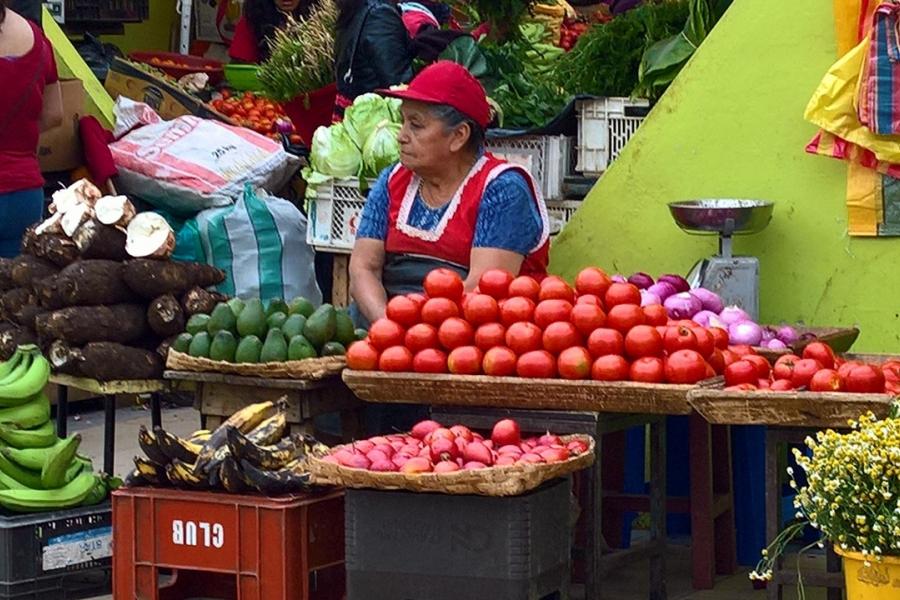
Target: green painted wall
[731,125]
[153,34]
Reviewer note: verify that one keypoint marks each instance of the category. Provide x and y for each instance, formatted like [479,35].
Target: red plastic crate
[257,548]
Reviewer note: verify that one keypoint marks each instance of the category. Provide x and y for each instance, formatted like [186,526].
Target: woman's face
[287,6]
[425,144]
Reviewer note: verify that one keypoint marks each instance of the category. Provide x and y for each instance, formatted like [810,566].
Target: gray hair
[452,118]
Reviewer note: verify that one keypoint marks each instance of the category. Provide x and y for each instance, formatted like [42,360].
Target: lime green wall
[731,126]
[153,34]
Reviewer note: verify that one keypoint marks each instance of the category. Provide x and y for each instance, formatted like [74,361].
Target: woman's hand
[366,268]
[484,259]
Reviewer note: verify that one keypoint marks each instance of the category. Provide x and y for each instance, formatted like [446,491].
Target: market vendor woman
[258,24]
[448,203]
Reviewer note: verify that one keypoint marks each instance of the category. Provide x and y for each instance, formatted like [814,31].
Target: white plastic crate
[560,213]
[603,130]
[546,157]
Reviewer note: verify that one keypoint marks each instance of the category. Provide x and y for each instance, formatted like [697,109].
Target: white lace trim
[538,197]
[410,197]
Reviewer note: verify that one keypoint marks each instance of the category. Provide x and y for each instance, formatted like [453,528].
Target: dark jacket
[372,50]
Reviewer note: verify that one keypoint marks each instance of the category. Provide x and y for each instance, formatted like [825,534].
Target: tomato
[385,333]
[649,369]
[523,337]
[556,288]
[499,361]
[847,366]
[247,106]
[403,311]
[821,352]
[516,309]
[742,349]
[362,356]
[587,318]
[625,316]
[455,332]
[781,385]
[526,287]
[574,363]
[621,293]
[226,93]
[655,314]
[592,281]
[643,340]
[589,299]
[605,341]
[395,359]
[706,343]
[465,360]
[421,336]
[784,366]
[891,370]
[740,372]
[490,336]
[610,367]
[720,336]
[437,310]
[551,311]
[825,380]
[804,369]
[495,283]
[717,361]
[430,360]
[685,366]
[559,336]
[443,283]
[865,379]
[763,368]
[743,387]
[480,309]
[538,364]
[679,338]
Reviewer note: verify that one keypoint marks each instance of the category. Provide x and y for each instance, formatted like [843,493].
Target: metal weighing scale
[734,278]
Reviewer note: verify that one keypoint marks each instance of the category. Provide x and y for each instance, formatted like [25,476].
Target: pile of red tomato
[254,112]
[515,326]
[571,31]
[432,448]
[817,370]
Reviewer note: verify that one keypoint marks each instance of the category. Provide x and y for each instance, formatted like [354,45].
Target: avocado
[344,332]
[301,306]
[321,326]
[197,323]
[360,334]
[223,346]
[182,343]
[248,350]
[237,306]
[276,320]
[221,319]
[276,305]
[334,349]
[293,326]
[300,348]
[252,320]
[199,347]
[275,349]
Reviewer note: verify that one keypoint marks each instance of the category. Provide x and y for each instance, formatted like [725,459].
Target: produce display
[38,470]
[168,62]
[257,113]
[96,289]
[250,451]
[515,326]
[571,31]
[251,332]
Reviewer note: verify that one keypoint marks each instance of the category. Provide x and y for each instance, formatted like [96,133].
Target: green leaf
[465,51]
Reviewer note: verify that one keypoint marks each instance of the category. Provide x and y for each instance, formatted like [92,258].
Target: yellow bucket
[879,581]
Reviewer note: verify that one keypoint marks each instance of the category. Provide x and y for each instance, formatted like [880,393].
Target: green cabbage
[364,115]
[334,153]
[382,149]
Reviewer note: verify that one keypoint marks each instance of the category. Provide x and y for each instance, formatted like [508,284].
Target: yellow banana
[244,420]
[149,471]
[182,475]
[150,445]
[176,448]
[284,481]
[269,431]
[266,457]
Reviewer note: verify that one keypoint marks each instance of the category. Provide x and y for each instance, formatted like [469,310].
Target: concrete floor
[630,584]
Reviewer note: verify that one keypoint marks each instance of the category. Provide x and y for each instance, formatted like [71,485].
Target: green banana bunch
[27,378]
[98,492]
[42,436]
[33,500]
[57,463]
[35,411]
[27,477]
[31,458]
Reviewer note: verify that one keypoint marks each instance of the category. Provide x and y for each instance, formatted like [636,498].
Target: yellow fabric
[864,202]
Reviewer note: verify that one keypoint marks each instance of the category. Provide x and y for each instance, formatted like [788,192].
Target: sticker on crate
[77,548]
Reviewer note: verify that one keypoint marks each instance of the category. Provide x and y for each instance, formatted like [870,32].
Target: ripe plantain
[43,436]
[150,472]
[269,431]
[26,477]
[273,483]
[149,443]
[57,462]
[200,436]
[19,390]
[270,458]
[244,420]
[34,412]
[175,448]
[135,479]
[231,477]
[213,469]
[181,474]
[67,496]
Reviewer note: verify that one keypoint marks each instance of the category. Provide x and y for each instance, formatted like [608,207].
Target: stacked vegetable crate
[604,127]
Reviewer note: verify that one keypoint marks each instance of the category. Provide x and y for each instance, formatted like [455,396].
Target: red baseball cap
[447,82]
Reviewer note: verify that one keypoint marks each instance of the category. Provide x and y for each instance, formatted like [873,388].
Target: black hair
[453,118]
[346,10]
[2,11]
[264,17]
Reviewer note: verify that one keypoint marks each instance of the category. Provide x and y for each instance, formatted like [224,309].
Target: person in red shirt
[258,24]
[30,102]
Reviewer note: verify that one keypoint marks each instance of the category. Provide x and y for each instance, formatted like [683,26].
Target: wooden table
[108,391]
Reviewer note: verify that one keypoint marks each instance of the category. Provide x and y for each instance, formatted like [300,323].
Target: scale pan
[722,216]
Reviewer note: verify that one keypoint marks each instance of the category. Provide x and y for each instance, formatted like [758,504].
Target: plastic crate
[560,213]
[58,555]
[408,546]
[107,11]
[252,546]
[334,215]
[604,127]
[546,157]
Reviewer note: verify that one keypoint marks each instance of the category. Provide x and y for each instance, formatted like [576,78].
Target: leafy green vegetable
[366,113]
[381,149]
[334,153]
[504,16]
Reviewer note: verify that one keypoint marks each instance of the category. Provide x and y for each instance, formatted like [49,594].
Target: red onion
[709,300]
[769,333]
[682,306]
[641,280]
[787,334]
[678,282]
[663,289]
[733,314]
[704,317]
[775,344]
[284,125]
[745,332]
[618,278]
[649,298]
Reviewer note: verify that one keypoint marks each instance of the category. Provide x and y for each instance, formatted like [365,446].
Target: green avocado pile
[251,332]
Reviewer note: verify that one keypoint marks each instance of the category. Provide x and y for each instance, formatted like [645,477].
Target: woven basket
[511,480]
[310,368]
